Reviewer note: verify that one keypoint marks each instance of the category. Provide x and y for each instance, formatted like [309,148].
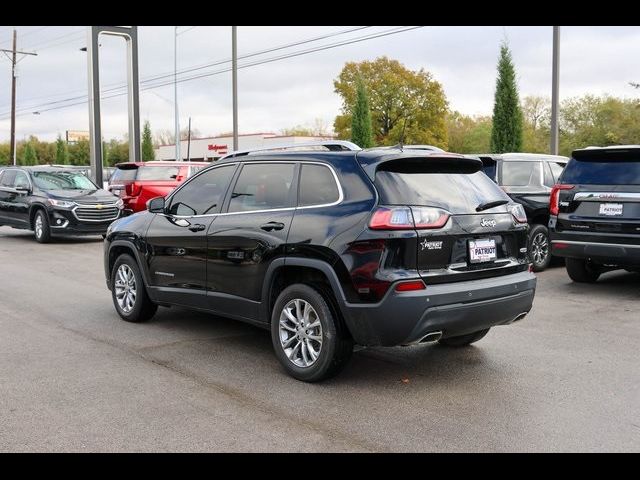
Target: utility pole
[234,81]
[14,52]
[175,92]
[555,81]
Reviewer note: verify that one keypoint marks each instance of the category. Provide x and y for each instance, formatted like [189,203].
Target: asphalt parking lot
[74,377]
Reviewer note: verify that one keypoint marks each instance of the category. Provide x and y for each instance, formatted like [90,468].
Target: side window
[556,169]
[262,187]
[548,177]
[317,186]
[21,180]
[520,173]
[204,194]
[7,178]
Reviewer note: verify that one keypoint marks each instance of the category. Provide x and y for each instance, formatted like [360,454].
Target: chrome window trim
[606,196]
[284,209]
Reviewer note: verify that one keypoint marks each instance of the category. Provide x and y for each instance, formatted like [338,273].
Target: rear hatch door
[477,240]
[605,197]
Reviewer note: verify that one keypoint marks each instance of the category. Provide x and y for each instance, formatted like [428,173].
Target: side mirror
[156,205]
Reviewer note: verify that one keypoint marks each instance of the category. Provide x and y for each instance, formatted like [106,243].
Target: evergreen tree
[62,153]
[361,131]
[147,143]
[506,133]
[30,157]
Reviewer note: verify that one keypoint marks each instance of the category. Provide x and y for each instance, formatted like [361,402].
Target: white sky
[297,90]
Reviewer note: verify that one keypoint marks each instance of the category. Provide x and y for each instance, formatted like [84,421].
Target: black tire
[337,345]
[41,228]
[143,308]
[463,340]
[581,270]
[538,247]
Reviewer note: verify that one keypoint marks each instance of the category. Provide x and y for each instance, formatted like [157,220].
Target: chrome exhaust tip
[520,316]
[428,338]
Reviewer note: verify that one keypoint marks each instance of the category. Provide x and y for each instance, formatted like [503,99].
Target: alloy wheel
[300,333]
[38,226]
[540,248]
[125,288]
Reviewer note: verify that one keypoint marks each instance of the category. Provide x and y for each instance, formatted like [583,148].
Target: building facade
[212,148]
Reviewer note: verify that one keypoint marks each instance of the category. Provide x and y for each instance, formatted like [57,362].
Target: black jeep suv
[595,212]
[527,178]
[52,201]
[327,249]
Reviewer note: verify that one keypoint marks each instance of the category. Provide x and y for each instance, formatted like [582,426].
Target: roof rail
[400,146]
[331,145]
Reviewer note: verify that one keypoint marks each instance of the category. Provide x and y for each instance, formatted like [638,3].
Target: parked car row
[328,249]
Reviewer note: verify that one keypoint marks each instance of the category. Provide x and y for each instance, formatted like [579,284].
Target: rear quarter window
[148,172]
[122,174]
[520,174]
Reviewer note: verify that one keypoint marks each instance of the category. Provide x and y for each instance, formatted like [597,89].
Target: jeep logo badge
[487,222]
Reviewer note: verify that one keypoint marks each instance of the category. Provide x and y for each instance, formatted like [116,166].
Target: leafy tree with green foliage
[402,101]
[506,133]
[30,157]
[147,143]
[79,152]
[468,134]
[62,152]
[361,133]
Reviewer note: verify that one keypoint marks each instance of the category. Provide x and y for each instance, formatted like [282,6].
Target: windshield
[62,181]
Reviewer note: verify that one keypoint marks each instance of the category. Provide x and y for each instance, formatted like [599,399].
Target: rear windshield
[601,171]
[457,193]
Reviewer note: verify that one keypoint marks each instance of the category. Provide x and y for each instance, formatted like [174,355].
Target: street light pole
[175,92]
[555,81]
[234,80]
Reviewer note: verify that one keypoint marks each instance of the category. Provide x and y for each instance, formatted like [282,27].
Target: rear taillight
[554,201]
[518,213]
[133,190]
[405,218]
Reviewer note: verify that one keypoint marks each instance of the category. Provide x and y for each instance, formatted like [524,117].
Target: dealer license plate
[611,209]
[483,250]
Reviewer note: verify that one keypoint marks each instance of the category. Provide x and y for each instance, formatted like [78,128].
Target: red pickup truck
[138,182]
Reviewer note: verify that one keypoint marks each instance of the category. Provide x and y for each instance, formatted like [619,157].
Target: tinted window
[7,178]
[548,177]
[157,173]
[520,173]
[317,186]
[603,171]
[123,174]
[204,194]
[262,187]
[21,180]
[556,169]
[489,168]
[456,193]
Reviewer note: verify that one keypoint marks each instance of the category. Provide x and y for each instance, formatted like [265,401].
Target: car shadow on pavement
[19,236]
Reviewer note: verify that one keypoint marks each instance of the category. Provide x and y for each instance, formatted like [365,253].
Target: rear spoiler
[413,162]
[604,153]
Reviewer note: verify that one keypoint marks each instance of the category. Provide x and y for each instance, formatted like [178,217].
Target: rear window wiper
[488,205]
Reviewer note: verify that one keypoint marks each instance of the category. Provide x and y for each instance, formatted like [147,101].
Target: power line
[116,87]
[119,86]
[247,65]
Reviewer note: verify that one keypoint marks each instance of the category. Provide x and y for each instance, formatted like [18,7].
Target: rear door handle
[272,226]
[198,227]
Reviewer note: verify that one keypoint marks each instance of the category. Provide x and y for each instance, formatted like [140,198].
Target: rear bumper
[600,252]
[454,309]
